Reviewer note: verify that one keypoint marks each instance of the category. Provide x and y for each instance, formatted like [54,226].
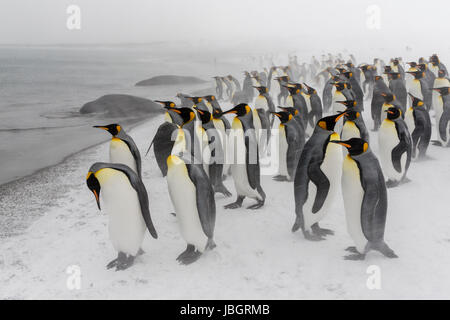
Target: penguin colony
[322,147]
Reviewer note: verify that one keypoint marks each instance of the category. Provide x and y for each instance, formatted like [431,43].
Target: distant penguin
[125,199]
[386,75]
[398,89]
[273,84]
[219,87]
[342,93]
[359,95]
[315,108]
[390,101]
[296,100]
[290,142]
[365,200]
[284,93]
[435,65]
[122,148]
[193,199]
[229,87]
[185,101]
[379,89]
[216,153]
[245,167]
[395,146]
[429,76]
[169,116]
[442,115]
[440,82]
[419,124]
[317,178]
[419,88]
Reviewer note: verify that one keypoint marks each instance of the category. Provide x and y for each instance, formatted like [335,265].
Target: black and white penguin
[213,162]
[291,140]
[398,89]
[245,168]
[169,116]
[354,125]
[442,114]
[125,199]
[356,88]
[419,88]
[192,196]
[317,178]
[435,65]
[219,87]
[390,100]
[122,148]
[379,88]
[314,105]
[395,146]
[365,200]
[296,100]
[418,121]
[342,93]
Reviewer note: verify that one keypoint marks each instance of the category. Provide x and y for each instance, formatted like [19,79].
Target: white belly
[385,79]
[184,199]
[261,103]
[120,153]
[126,225]
[289,101]
[353,194]
[337,107]
[388,140]
[409,119]
[416,90]
[384,108]
[332,168]
[283,148]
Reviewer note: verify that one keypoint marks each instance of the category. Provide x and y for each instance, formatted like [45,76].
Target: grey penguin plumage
[419,124]
[379,88]
[443,117]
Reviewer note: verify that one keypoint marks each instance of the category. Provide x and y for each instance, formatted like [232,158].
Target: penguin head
[282,79]
[166,104]
[195,100]
[310,90]
[422,60]
[348,74]
[210,98]
[349,65]
[293,90]
[422,66]
[284,116]
[205,116]
[355,146]
[416,102]
[394,75]
[291,110]
[229,77]
[352,115]
[93,185]
[186,114]
[418,74]
[348,103]
[240,110]
[434,59]
[387,69]
[328,123]
[388,97]
[393,113]
[113,128]
[441,73]
[377,78]
[262,90]
[395,62]
[335,78]
[412,64]
[443,91]
[340,85]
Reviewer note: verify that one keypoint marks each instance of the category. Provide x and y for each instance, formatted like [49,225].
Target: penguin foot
[223,190]
[312,237]
[174,214]
[124,261]
[355,257]
[384,249]
[351,249]
[112,264]
[140,252]
[405,180]
[257,205]
[189,249]
[280,178]
[297,224]
[436,143]
[321,231]
[392,184]
[236,204]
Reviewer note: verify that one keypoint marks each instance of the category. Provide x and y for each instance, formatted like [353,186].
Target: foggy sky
[221,21]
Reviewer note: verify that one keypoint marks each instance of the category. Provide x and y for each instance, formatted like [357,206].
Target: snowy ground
[256,257]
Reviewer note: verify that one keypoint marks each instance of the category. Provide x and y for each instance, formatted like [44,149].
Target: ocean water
[43,88]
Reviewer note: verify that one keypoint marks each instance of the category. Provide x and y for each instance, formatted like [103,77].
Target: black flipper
[134,151]
[253,170]
[206,204]
[397,153]
[163,145]
[322,183]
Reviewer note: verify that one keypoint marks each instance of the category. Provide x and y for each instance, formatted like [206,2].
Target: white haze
[332,25]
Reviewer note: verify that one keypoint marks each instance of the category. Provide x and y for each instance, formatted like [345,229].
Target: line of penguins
[323,146]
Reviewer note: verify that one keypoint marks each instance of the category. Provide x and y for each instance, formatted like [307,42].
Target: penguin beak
[340,116]
[276,113]
[230,111]
[101,127]
[342,143]
[94,186]
[341,102]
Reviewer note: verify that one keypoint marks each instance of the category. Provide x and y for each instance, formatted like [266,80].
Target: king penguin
[192,196]
[219,87]
[395,145]
[379,89]
[122,148]
[354,126]
[290,143]
[442,114]
[317,178]
[126,201]
[365,200]
[418,121]
[245,168]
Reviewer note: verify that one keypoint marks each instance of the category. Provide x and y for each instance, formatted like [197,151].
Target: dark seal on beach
[121,105]
[170,80]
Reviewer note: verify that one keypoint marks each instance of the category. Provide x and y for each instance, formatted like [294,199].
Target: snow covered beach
[256,256]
